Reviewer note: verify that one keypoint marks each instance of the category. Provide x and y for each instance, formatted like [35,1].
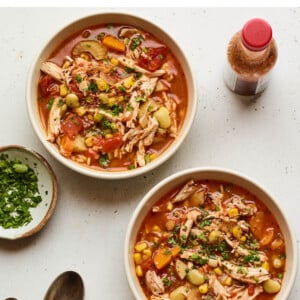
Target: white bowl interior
[47,187]
[32,87]
[200,174]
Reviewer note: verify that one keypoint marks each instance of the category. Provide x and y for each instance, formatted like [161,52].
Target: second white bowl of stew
[204,234]
[111,95]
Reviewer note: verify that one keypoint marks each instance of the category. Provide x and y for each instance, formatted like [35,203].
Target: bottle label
[242,85]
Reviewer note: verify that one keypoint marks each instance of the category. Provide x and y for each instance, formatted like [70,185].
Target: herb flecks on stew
[114,98]
[210,240]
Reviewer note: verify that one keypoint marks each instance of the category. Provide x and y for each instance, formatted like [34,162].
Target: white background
[258,138]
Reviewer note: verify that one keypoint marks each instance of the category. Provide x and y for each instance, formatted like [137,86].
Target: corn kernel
[266,266]
[111,101]
[139,271]
[243,238]
[233,212]
[89,141]
[141,246]
[137,258]
[108,135]
[80,111]
[156,228]
[228,281]
[103,97]
[237,232]
[147,254]
[213,236]
[218,271]
[90,117]
[114,61]
[203,288]
[170,206]
[128,82]
[102,85]
[236,254]
[98,117]
[85,56]
[63,109]
[63,90]
[66,64]
[153,156]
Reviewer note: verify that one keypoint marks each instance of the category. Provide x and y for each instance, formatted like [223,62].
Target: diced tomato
[251,289]
[74,89]
[153,59]
[48,86]
[108,144]
[92,154]
[71,126]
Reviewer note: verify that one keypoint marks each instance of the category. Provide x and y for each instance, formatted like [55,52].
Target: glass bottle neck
[254,56]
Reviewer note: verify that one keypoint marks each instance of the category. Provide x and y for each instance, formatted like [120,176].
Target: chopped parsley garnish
[116,109]
[252,257]
[140,99]
[122,88]
[93,87]
[204,223]
[167,282]
[78,78]
[103,160]
[135,42]
[18,193]
[129,70]
[129,107]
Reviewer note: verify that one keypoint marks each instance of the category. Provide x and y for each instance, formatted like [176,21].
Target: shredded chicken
[154,283]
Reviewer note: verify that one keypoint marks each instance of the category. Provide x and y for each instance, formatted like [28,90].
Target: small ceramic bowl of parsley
[28,192]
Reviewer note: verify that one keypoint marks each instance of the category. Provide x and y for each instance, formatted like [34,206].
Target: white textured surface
[86,233]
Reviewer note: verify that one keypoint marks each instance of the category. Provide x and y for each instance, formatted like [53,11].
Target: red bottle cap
[256,34]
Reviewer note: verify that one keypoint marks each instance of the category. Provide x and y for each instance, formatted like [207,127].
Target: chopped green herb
[204,223]
[18,193]
[140,99]
[167,282]
[93,87]
[116,109]
[103,160]
[122,88]
[129,70]
[135,42]
[131,167]
[50,103]
[78,78]
[147,158]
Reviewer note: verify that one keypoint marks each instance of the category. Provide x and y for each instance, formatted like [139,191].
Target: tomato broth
[112,97]
[204,239]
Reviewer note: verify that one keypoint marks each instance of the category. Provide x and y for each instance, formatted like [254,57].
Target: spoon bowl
[67,286]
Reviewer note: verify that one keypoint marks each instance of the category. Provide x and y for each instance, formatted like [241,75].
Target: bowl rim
[53,177]
[127,255]
[167,153]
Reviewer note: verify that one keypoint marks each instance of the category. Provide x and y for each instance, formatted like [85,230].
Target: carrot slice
[113,43]
[162,258]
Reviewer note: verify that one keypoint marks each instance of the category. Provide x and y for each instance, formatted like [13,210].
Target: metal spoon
[67,286]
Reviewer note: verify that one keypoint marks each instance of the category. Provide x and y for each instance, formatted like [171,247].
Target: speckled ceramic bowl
[47,185]
[175,180]
[76,26]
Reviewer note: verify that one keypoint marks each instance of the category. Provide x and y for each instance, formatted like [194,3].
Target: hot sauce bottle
[251,55]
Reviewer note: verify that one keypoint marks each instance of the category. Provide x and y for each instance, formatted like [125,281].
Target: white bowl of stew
[206,232]
[111,96]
